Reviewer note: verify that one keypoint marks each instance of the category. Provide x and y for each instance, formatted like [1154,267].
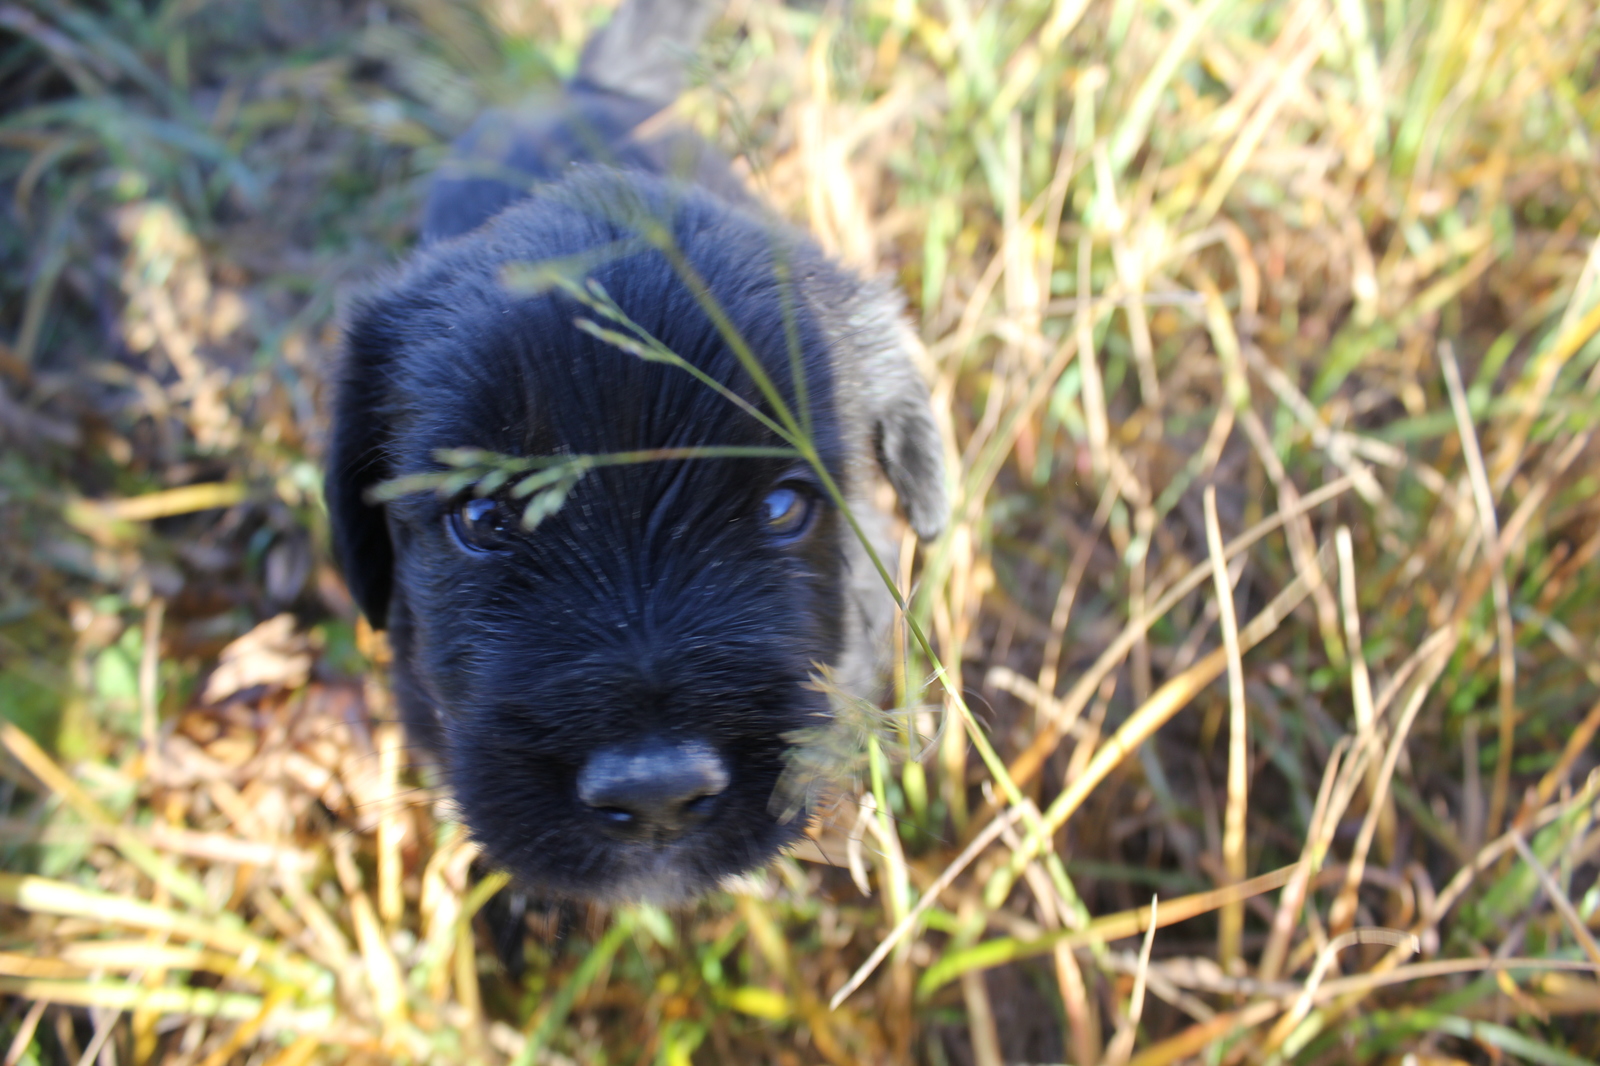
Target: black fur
[655,604]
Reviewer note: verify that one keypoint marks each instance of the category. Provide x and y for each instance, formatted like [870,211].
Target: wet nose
[653,790]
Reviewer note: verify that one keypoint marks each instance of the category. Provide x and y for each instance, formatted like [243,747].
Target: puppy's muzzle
[652,791]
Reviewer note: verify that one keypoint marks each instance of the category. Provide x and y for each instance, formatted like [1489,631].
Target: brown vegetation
[1292,302]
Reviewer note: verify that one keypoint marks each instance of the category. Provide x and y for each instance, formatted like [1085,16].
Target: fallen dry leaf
[271,654]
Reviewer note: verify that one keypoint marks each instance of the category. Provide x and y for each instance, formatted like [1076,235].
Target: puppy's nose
[652,790]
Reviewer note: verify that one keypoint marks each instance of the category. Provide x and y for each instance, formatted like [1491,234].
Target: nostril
[652,788]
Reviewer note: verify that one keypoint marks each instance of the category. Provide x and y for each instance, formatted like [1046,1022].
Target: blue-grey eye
[482,524]
[786,512]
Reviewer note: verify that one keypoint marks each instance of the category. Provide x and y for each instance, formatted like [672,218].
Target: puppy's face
[608,692]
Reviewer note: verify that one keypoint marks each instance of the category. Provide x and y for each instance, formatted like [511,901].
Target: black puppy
[610,692]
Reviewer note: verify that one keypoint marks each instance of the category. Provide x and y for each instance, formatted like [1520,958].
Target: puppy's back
[630,71]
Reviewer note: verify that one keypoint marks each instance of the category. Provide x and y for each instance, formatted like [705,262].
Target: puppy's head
[609,692]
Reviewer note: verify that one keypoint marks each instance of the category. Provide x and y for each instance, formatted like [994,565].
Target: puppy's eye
[482,525]
[786,512]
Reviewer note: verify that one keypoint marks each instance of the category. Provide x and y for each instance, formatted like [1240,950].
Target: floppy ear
[357,460]
[885,375]
[911,452]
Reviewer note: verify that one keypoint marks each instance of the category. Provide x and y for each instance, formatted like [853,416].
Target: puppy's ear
[911,452]
[358,460]
[880,350]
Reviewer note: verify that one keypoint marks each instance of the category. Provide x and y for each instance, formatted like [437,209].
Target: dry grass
[1297,300]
